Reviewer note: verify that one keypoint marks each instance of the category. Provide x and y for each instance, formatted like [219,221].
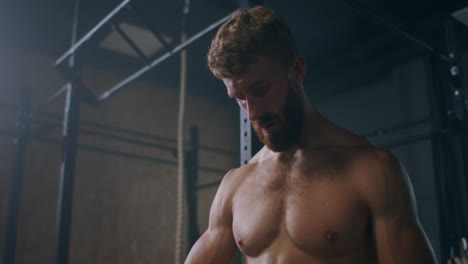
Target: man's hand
[463,259]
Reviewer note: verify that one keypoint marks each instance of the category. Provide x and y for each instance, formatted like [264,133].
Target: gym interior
[114,134]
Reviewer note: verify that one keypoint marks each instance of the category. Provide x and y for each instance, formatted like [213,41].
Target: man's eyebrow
[259,83]
[251,87]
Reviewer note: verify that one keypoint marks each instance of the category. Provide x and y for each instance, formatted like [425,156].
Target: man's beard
[291,123]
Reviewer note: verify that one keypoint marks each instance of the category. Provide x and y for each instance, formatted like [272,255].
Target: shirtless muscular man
[315,193]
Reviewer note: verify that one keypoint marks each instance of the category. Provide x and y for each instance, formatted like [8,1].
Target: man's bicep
[388,191]
[402,244]
[217,244]
[398,234]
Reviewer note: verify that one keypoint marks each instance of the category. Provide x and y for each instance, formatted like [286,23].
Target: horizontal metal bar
[144,135]
[110,152]
[157,61]
[45,128]
[52,98]
[128,140]
[110,136]
[123,131]
[213,170]
[88,35]
[124,154]
[208,185]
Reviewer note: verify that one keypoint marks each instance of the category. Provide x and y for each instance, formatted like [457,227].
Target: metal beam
[17,177]
[51,99]
[114,129]
[157,61]
[245,124]
[111,152]
[69,149]
[88,35]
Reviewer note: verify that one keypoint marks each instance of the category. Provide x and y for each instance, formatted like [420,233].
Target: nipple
[240,243]
[331,236]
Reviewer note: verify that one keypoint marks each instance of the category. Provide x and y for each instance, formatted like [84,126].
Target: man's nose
[254,109]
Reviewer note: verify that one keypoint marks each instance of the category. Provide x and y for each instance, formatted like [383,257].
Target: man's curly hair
[248,34]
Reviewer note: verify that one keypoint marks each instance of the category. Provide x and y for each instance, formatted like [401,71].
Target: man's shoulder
[234,177]
[377,171]
[239,174]
[371,159]
[361,157]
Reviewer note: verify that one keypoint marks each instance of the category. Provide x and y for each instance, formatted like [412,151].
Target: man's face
[267,94]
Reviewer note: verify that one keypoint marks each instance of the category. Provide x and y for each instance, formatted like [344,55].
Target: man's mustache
[264,119]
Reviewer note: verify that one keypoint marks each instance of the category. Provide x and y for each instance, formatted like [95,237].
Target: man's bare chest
[319,216]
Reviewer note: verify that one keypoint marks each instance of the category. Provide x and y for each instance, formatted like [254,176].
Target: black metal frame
[450,148]
[72,120]
[17,177]
[191,167]
[75,46]
[71,124]
[76,92]
[43,123]
[37,134]
[149,64]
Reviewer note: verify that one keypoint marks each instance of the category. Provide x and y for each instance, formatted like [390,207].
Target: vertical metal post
[192,180]
[249,143]
[17,179]
[67,169]
[438,121]
[449,144]
[458,127]
[245,125]
[441,195]
[67,174]
[245,138]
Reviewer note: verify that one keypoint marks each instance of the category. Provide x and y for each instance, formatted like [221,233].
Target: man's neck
[311,130]
[318,132]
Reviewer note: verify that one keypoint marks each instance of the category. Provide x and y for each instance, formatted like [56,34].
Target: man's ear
[299,70]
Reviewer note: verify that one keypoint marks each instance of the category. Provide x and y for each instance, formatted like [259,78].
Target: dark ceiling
[331,35]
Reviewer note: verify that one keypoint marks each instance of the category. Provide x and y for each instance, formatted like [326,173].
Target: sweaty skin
[331,198]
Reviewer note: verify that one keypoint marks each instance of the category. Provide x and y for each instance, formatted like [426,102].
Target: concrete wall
[124,201]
